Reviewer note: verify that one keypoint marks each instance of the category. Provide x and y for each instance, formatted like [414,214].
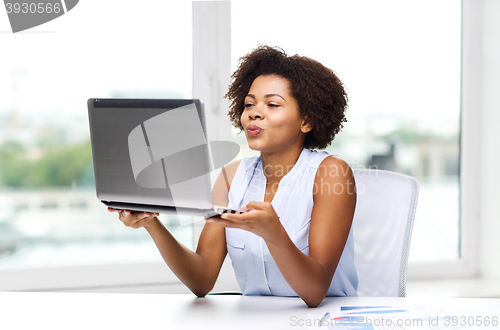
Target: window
[49,214]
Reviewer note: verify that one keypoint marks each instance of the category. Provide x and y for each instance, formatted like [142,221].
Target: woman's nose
[255,112]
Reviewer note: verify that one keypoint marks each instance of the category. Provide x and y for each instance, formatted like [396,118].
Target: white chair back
[382,227]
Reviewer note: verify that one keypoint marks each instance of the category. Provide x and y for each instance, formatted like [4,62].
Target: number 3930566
[33,8]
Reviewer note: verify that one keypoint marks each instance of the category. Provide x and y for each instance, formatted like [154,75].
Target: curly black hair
[318,91]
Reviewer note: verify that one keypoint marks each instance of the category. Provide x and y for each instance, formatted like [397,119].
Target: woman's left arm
[334,203]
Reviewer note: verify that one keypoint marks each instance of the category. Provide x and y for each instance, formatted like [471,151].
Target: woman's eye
[272,105]
[248,105]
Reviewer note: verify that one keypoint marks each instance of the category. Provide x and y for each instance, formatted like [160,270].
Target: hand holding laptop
[135,219]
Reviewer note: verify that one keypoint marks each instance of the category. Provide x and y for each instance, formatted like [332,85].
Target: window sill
[459,288]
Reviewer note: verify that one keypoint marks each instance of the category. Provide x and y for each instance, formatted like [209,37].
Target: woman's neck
[276,165]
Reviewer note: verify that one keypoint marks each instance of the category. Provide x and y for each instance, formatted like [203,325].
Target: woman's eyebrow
[270,95]
[266,96]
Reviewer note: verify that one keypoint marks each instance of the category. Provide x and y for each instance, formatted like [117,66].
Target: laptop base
[207,213]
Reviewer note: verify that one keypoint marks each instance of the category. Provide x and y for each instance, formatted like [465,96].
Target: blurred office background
[419,75]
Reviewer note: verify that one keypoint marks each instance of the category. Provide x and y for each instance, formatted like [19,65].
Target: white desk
[90,311]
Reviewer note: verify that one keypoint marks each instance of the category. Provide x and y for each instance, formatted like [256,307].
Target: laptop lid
[151,151]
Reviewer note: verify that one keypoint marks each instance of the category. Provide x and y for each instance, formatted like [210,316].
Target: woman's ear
[305,127]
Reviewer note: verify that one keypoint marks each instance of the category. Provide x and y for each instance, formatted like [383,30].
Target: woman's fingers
[235,216]
[261,219]
[234,220]
[257,206]
[229,223]
[141,222]
[134,219]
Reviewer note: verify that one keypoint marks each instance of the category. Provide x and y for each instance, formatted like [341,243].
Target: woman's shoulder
[334,160]
[334,168]
[324,160]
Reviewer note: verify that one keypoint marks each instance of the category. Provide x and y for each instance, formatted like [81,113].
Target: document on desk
[412,316]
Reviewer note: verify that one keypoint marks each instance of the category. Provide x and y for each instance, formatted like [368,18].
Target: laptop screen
[150,152]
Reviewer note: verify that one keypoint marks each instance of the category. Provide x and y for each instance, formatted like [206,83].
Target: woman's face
[271,117]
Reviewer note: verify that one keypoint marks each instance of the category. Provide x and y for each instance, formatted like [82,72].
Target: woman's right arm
[197,270]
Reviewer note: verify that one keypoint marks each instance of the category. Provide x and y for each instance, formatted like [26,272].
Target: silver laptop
[152,155]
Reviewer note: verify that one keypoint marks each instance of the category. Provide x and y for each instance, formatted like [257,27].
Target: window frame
[470,151]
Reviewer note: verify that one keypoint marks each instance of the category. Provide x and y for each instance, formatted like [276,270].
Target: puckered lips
[254,130]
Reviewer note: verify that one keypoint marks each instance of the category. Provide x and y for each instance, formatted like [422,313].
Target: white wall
[489,111]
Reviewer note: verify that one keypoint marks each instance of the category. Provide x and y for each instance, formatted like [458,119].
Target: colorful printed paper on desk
[382,317]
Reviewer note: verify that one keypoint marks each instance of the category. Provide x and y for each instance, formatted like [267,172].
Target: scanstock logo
[25,14]
[158,163]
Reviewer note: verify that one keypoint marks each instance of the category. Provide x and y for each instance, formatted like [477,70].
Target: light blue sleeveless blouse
[254,267]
